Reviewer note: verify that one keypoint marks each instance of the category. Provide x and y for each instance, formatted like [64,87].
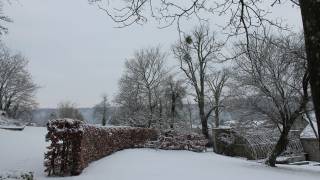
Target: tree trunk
[216,112]
[104,121]
[280,146]
[204,125]
[310,10]
[203,118]
[150,108]
[160,108]
[190,115]
[104,113]
[173,111]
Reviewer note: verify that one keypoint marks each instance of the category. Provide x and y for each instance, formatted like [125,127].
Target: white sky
[75,52]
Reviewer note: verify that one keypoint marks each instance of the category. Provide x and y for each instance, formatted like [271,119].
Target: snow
[4,121]
[12,127]
[23,150]
[308,132]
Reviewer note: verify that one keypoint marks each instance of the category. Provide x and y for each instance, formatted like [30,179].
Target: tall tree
[216,82]
[274,73]
[130,103]
[101,110]
[189,111]
[69,110]
[174,92]
[143,74]
[17,89]
[195,54]
[243,18]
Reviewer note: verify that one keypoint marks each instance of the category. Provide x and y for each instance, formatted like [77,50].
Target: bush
[75,144]
[173,140]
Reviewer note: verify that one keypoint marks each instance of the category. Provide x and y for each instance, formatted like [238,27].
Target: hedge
[75,144]
[174,140]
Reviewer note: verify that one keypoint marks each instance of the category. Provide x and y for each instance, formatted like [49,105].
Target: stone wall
[311,148]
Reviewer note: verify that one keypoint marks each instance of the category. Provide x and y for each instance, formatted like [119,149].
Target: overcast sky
[75,52]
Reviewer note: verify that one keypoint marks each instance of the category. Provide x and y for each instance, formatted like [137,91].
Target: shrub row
[75,144]
[173,140]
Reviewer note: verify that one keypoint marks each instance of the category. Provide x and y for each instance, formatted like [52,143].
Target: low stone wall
[75,144]
[311,148]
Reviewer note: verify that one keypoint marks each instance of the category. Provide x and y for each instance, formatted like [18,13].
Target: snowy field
[24,150]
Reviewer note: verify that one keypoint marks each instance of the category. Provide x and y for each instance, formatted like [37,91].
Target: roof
[308,132]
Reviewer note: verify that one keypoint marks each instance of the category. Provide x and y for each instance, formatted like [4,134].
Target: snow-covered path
[24,150]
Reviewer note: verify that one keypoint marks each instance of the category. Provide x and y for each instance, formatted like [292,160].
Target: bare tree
[174,93]
[3,19]
[195,55]
[69,110]
[275,74]
[101,110]
[189,111]
[148,66]
[145,72]
[130,103]
[17,88]
[243,17]
[216,82]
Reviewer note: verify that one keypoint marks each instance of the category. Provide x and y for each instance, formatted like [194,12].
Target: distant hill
[230,115]
[42,115]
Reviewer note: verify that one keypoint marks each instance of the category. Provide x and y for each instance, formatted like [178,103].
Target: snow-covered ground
[308,132]
[7,122]
[23,150]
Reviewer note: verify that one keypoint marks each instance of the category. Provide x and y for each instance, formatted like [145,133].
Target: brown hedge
[173,140]
[75,144]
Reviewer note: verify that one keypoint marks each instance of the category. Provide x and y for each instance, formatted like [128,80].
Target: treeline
[267,71]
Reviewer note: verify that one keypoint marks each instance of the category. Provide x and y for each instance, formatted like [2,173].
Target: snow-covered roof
[308,132]
[4,121]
